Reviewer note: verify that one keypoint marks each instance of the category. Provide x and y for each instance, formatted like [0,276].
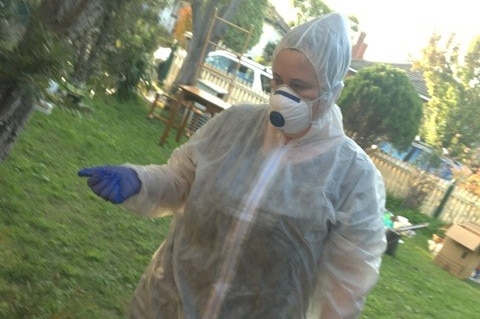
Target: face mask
[289,112]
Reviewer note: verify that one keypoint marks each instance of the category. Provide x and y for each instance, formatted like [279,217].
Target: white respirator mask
[290,113]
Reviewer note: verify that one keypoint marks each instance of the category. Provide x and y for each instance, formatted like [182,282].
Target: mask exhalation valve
[277,119]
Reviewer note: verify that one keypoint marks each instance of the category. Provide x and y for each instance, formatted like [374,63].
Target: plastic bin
[392,242]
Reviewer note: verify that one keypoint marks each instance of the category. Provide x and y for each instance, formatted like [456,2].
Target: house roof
[416,76]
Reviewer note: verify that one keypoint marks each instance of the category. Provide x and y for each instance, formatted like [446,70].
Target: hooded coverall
[260,228]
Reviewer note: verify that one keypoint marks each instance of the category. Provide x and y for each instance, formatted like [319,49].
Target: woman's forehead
[291,56]
[293,63]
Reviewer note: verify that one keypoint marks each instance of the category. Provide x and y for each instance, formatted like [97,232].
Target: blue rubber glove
[112,183]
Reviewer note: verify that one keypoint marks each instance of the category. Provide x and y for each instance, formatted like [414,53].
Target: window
[266,83]
[245,74]
[219,62]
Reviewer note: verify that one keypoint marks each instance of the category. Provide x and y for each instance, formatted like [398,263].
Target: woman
[276,213]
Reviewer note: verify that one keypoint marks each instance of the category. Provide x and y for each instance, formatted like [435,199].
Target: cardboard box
[460,254]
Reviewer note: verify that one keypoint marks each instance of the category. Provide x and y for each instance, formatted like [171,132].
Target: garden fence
[404,181]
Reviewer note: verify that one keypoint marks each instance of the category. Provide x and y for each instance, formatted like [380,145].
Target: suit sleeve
[350,267]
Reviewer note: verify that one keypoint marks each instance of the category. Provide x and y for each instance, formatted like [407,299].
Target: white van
[249,72]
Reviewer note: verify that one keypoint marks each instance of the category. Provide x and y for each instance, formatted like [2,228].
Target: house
[274,28]
[358,63]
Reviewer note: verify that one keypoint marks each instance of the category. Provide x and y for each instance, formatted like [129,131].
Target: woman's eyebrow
[301,82]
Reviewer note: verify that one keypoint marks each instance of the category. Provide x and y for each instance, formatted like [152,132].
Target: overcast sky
[398,29]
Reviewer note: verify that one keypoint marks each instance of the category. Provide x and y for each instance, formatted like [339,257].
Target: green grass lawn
[65,253]
[411,286]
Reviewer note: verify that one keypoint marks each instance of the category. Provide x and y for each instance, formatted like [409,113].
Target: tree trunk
[69,18]
[202,15]
[89,53]
[82,68]
[15,109]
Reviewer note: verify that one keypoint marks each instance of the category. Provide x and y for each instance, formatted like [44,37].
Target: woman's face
[292,68]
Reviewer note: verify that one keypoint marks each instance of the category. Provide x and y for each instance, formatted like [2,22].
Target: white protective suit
[262,229]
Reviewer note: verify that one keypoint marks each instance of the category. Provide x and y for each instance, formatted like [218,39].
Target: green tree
[116,52]
[268,52]
[54,39]
[129,59]
[467,114]
[381,102]
[437,66]
[250,15]
[308,9]
[452,120]
[36,47]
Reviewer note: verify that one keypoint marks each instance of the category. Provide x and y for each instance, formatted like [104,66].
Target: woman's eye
[298,87]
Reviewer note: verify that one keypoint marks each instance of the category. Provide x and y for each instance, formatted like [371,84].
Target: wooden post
[440,207]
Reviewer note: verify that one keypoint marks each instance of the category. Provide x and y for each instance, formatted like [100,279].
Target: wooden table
[188,96]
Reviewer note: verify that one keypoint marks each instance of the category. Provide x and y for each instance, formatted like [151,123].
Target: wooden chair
[160,105]
[166,109]
[190,102]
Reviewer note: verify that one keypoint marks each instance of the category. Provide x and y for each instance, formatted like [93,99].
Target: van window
[266,83]
[230,66]
[219,62]
[245,74]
